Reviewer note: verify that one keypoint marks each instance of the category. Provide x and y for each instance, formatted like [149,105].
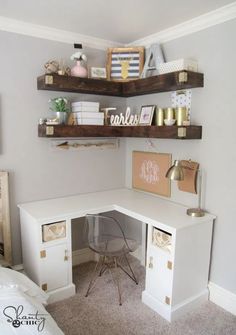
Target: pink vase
[79,71]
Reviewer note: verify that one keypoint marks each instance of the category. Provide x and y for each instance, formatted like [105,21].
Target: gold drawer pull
[66,255]
[167,300]
[169,265]
[150,264]
[43,253]
[44,287]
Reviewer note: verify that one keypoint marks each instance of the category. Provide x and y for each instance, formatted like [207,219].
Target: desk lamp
[176,172]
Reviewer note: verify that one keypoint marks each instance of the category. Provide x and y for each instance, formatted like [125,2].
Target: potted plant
[60,107]
[79,70]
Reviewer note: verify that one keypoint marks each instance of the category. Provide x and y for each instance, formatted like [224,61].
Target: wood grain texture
[80,85]
[162,83]
[168,132]
[156,84]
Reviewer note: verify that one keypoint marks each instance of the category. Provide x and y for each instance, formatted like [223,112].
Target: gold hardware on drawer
[49,130]
[48,80]
[150,264]
[182,132]
[169,265]
[167,300]
[66,255]
[44,287]
[42,253]
[183,77]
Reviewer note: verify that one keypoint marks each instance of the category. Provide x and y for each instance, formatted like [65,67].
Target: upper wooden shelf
[161,83]
[171,132]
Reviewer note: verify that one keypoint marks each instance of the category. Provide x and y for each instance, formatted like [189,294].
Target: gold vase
[169,113]
[181,115]
[159,117]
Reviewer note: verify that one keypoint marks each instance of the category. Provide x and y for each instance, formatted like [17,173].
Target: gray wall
[36,172]
[213,107]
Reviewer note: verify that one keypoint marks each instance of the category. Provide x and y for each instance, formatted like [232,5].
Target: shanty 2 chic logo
[149,172]
[16,317]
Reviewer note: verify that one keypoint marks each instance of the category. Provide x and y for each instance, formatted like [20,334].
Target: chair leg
[103,266]
[93,278]
[133,277]
[116,279]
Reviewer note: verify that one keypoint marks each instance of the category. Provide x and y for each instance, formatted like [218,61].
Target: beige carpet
[100,313]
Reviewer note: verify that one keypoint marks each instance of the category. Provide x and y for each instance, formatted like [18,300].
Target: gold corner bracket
[49,130]
[183,77]
[182,132]
[48,80]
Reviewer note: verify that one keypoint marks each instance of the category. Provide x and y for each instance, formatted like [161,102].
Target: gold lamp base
[196,212]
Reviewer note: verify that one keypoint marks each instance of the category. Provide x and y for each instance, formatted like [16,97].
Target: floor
[101,314]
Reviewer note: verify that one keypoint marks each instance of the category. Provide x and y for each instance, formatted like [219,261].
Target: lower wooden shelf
[167,132]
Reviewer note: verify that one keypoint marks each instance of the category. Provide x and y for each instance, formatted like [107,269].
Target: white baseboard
[82,256]
[61,293]
[171,313]
[86,255]
[222,297]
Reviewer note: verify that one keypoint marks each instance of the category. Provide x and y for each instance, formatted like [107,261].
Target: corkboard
[149,170]
[189,184]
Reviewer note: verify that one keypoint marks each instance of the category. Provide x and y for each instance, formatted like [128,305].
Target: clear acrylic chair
[106,238]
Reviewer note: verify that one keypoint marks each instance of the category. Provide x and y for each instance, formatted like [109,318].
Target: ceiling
[122,21]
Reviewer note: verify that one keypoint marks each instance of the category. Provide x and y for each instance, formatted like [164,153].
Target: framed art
[98,72]
[5,230]
[149,170]
[125,64]
[146,115]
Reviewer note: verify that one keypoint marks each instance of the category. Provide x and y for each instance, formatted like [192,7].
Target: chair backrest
[105,235]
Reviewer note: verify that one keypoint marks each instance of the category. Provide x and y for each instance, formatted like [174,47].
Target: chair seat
[113,246]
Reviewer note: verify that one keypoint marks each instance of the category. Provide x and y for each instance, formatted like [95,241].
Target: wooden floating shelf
[167,132]
[161,83]
[54,82]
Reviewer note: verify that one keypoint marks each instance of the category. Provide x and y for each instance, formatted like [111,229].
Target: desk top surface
[139,205]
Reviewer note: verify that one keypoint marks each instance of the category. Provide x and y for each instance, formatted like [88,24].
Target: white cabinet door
[54,267]
[159,274]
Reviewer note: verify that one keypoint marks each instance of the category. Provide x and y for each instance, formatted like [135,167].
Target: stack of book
[87,113]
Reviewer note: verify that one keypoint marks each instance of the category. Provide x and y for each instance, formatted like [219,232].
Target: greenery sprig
[59,105]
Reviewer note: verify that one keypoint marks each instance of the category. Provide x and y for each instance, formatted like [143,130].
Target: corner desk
[176,279]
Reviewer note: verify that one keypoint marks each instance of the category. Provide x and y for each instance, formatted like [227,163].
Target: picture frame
[146,115]
[149,172]
[124,64]
[5,229]
[98,72]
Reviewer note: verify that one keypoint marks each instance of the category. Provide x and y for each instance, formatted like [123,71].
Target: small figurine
[52,66]
[79,70]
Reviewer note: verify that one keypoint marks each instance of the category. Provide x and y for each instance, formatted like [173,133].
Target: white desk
[175,280]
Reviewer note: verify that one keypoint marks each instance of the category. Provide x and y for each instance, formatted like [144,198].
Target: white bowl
[169,122]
